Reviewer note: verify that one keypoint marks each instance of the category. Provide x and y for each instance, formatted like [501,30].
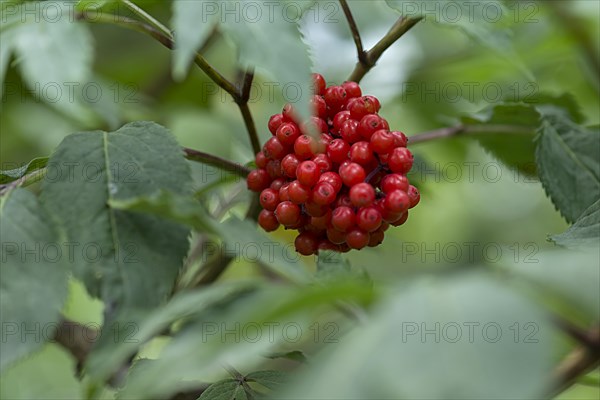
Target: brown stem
[360,51]
[221,163]
[401,26]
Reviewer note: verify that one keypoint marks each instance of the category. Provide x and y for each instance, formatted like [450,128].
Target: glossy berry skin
[306,243]
[352,89]
[323,194]
[357,238]
[401,220]
[274,122]
[400,160]
[318,106]
[287,213]
[284,194]
[349,131]
[274,149]
[323,163]
[362,194]
[277,184]
[319,84]
[268,221]
[352,174]
[323,221]
[368,219]
[382,141]
[303,147]
[308,173]
[287,133]
[338,150]
[336,236]
[260,160]
[289,164]
[369,124]
[392,182]
[316,210]
[333,179]
[269,198]
[298,193]
[343,218]
[338,121]
[289,114]
[397,201]
[258,180]
[400,139]
[362,153]
[274,169]
[376,238]
[413,195]
[336,97]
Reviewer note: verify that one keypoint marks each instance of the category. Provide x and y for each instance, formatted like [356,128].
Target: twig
[468,129]
[401,26]
[215,161]
[360,51]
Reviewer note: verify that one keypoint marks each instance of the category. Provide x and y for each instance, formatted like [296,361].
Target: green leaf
[564,104]
[507,131]
[6,49]
[126,259]
[269,378]
[425,327]
[90,5]
[295,355]
[227,389]
[33,288]
[584,232]
[192,25]
[11,175]
[568,164]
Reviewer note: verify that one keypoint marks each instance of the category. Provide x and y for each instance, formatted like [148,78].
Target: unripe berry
[362,194]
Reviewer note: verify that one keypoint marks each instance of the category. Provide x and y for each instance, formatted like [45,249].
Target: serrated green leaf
[33,288]
[584,232]
[11,175]
[227,389]
[424,327]
[568,162]
[269,378]
[564,104]
[192,24]
[126,259]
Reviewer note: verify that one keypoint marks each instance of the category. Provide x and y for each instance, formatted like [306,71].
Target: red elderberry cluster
[343,190]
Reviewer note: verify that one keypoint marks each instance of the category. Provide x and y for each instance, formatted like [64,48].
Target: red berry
[400,220]
[274,149]
[343,200]
[308,173]
[400,160]
[368,219]
[268,221]
[413,195]
[306,243]
[400,139]
[333,179]
[357,239]
[338,121]
[371,123]
[258,180]
[343,218]
[326,244]
[319,84]
[289,113]
[277,184]
[382,141]
[352,174]
[274,122]
[321,222]
[298,193]
[304,146]
[336,236]
[376,238]
[324,193]
[315,210]
[392,182]
[372,103]
[287,133]
[314,124]
[284,194]
[274,169]
[260,160]
[318,106]
[288,213]
[289,164]
[338,150]
[269,198]
[396,201]
[352,89]
[323,163]
[335,97]
[362,194]
[359,107]
[361,153]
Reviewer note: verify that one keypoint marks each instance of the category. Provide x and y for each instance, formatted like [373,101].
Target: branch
[401,26]
[468,129]
[221,163]
[362,55]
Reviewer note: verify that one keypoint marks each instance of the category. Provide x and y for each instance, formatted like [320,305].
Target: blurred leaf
[227,389]
[568,164]
[33,288]
[584,232]
[295,355]
[564,104]
[6,48]
[126,259]
[507,131]
[270,379]
[424,327]
[89,5]
[11,175]
[192,25]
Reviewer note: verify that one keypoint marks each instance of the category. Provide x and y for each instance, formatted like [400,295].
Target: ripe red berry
[362,194]
[338,121]
[396,201]
[336,236]
[288,213]
[338,150]
[352,174]
[333,179]
[268,221]
[368,219]
[269,198]
[401,220]
[284,194]
[400,139]
[371,123]
[400,160]
[318,106]
[274,169]
[274,122]
[382,141]
[277,184]
[258,180]
[357,238]
[274,149]
[314,124]
[287,133]
[323,221]
[289,164]
[352,89]
[392,182]
[376,238]
[289,113]
[308,173]
[336,97]
[260,160]
[319,84]
[361,153]
[343,218]
[298,193]
[343,200]
[326,244]
[413,195]
[306,243]
[315,210]
[323,162]
[324,193]
[304,146]
[349,131]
